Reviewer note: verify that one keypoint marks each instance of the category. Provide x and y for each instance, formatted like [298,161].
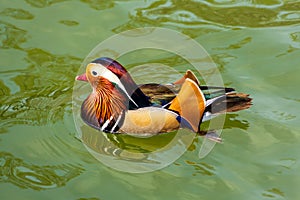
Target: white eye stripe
[100,70]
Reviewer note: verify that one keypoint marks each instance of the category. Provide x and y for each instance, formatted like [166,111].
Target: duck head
[113,93]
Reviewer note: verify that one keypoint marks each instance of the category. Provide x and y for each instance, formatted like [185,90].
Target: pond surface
[255,45]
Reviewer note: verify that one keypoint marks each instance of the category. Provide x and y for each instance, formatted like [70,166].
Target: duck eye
[94,73]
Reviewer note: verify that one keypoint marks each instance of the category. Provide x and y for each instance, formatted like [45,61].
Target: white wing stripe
[106,123]
[117,122]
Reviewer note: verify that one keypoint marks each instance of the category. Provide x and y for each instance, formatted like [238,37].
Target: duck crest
[105,107]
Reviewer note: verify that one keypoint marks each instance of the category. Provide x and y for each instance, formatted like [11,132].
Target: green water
[256,46]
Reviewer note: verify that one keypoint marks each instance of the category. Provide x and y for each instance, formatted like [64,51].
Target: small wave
[24,175]
[216,15]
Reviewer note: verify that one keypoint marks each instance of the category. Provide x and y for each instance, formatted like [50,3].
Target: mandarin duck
[118,105]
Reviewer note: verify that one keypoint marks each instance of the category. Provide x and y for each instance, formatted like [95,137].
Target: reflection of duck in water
[118,105]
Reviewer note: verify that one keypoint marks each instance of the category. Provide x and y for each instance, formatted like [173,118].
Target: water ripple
[42,3]
[25,175]
[202,168]
[11,36]
[17,13]
[99,4]
[44,89]
[273,193]
[69,22]
[214,15]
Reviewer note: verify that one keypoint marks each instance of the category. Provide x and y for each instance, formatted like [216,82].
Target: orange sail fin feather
[188,74]
[189,99]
